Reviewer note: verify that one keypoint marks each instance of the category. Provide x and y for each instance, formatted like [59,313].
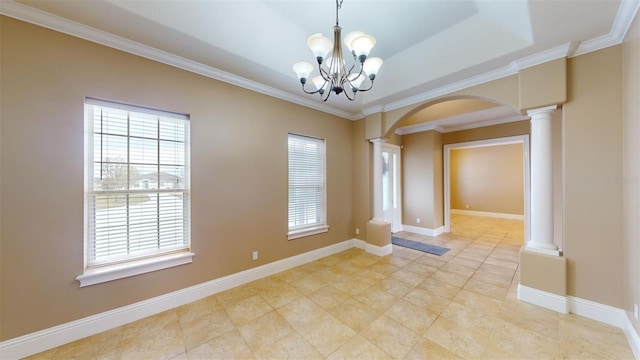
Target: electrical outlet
[357,231]
[635,311]
[255,255]
[418,220]
[466,205]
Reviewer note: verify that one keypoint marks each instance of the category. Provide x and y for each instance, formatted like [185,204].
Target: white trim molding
[423,231]
[118,271]
[488,214]
[543,299]
[589,309]
[519,139]
[622,22]
[39,341]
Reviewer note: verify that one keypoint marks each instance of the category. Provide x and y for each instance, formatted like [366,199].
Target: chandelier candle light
[333,74]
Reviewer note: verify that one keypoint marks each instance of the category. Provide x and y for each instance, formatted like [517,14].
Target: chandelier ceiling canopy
[334,76]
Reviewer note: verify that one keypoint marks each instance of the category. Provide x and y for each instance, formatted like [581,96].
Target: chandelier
[333,72]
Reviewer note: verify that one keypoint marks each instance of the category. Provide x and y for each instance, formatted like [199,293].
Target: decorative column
[541,239]
[378,216]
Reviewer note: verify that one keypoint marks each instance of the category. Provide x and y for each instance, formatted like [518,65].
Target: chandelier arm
[367,89]
[351,98]
[324,74]
[309,92]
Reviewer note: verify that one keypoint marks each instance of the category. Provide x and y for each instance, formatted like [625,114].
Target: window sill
[119,271]
[307,232]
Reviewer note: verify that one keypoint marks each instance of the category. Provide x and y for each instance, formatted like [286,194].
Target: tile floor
[353,305]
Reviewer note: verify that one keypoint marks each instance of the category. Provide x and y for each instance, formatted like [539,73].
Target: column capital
[378,140]
[541,111]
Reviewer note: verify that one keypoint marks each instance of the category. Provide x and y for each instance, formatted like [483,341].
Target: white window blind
[137,181]
[307,186]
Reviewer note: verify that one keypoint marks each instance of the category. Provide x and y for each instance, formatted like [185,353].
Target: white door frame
[397,214]
[520,139]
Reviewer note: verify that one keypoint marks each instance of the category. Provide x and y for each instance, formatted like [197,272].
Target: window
[137,191]
[307,186]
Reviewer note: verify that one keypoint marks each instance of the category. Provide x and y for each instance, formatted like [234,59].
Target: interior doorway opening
[523,141]
[391,186]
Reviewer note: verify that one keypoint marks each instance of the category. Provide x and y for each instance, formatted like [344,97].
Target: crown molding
[624,18]
[626,13]
[37,17]
[542,57]
[488,117]
[447,89]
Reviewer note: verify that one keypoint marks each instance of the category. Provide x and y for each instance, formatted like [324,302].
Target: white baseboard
[488,214]
[633,338]
[589,309]
[423,231]
[544,299]
[39,341]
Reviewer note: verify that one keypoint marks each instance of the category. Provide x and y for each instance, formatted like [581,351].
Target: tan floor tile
[198,309]
[458,269]
[263,332]
[412,316]
[390,336]
[450,278]
[409,277]
[478,302]
[426,349]
[469,318]
[420,269]
[327,334]
[427,300]
[470,263]
[577,338]
[530,317]
[161,342]
[516,341]
[280,297]
[205,327]
[431,261]
[237,294]
[230,345]
[396,286]
[459,311]
[459,340]
[492,279]
[384,268]
[355,314]
[358,348]
[309,284]
[497,270]
[248,309]
[377,298]
[301,312]
[328,297]
[489,290]
[440,288]
[350,286]
[292,346]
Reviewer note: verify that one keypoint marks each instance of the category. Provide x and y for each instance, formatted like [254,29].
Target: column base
[543,248]
[543,272]
[378,234]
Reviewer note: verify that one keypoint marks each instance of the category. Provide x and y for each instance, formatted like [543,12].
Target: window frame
[320,226]
[96,272]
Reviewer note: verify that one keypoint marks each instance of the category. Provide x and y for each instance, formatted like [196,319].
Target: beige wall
[361,180]
[488,179]
[593,156]
[631,175]
[422,184]
[488,132]
[239,174]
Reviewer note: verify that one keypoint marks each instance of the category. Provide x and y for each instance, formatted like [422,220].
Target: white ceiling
[429,47]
